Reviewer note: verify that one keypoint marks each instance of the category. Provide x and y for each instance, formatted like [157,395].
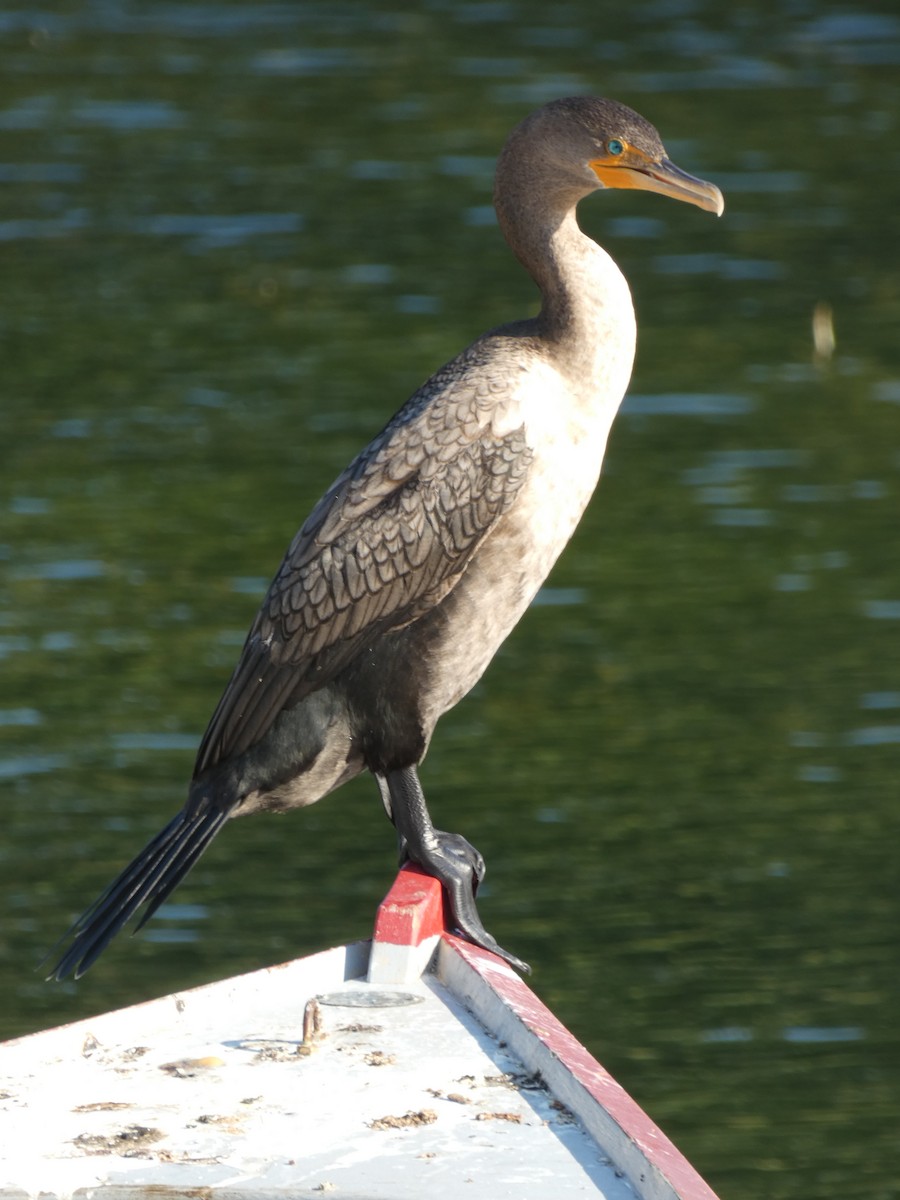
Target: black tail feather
[176,867]
[151,877]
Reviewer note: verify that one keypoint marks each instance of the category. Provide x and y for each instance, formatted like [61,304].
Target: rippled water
[234,238]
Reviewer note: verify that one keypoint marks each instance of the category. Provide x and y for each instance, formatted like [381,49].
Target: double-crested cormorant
[422,556]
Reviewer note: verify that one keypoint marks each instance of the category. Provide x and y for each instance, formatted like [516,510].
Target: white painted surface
[400,964]
[228,1106]
[500,1000]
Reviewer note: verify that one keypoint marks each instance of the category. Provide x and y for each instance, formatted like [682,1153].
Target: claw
[469,925]
[460,868]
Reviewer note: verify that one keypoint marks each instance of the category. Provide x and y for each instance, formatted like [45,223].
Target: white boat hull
[349,1073]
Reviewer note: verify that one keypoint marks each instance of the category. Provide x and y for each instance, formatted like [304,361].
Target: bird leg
[447,856]
[402,852]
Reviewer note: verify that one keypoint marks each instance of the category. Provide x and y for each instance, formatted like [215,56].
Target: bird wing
[384,544]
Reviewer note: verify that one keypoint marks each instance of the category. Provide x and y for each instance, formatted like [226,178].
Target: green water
[233,238]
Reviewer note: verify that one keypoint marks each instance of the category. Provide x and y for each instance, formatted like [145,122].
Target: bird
[421,557]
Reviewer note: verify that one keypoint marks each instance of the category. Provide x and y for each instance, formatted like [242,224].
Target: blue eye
[614,146]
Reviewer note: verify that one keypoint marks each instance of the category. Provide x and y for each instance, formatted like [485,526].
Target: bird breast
[566,423]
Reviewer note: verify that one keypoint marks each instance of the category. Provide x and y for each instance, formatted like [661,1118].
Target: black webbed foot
[460,868]
[448,857]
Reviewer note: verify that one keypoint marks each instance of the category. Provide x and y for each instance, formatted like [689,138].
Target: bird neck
[586,316]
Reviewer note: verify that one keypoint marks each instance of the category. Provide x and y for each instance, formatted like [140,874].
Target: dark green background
[233,238]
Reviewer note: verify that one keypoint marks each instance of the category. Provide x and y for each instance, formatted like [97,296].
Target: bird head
[599,143]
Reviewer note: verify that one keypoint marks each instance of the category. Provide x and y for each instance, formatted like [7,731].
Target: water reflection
[801,1034]
[62,570]
[211,230]
[560,597]
[882,610]
[186,928]
[880,700]
[154,741]
[874,735]
[23,765]
[685,404]
[20,716]
[55,172]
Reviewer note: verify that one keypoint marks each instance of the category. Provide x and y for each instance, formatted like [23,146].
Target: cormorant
[422,556]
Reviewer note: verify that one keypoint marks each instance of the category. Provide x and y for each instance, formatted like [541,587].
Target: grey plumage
[383,546]
[421,557]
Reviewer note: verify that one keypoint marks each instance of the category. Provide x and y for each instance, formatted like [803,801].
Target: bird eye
[614,146]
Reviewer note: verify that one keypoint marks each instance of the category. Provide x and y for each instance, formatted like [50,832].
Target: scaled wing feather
[384,544]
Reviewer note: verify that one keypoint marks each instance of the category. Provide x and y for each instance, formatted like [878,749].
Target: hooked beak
[660,176]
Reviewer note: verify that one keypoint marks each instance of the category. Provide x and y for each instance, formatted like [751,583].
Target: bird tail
[148,879]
